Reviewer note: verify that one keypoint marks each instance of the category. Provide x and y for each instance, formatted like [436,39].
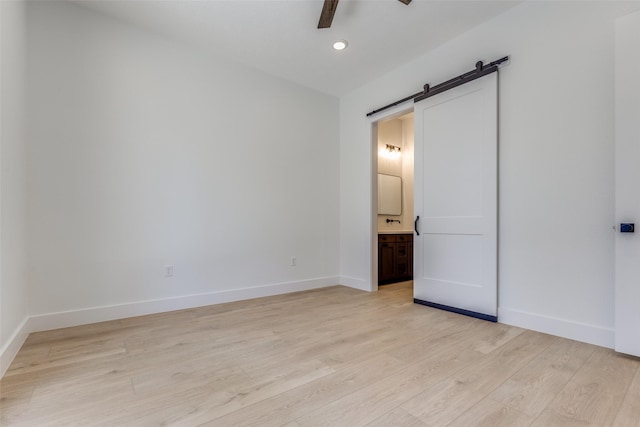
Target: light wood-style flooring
[333,356]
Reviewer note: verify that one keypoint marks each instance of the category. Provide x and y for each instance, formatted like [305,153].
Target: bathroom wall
[398,132]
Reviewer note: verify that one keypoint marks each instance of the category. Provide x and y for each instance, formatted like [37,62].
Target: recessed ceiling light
[340,45]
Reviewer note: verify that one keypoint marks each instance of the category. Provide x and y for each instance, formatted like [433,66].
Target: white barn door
[456,199]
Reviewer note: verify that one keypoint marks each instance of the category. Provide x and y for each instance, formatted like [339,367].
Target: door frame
[392,113]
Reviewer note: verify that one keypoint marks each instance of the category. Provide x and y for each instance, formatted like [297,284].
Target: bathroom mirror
[389,195]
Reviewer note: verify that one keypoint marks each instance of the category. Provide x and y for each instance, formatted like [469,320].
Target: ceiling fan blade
[328,10]
[405,1]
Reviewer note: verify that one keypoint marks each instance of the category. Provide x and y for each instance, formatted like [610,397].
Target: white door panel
[453,151]
[443,252]
[455,262]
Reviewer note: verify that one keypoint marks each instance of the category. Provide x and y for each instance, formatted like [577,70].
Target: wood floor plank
[397,417]
[15,394]
[333,356]
[291,405]
[595,393]
[490,413]
[629,413]
[219,401]
[500,335]
[532,388]
[67,360]
[447,354]
[443,402]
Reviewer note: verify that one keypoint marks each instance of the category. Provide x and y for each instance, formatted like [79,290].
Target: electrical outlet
[294,261]
[168,270]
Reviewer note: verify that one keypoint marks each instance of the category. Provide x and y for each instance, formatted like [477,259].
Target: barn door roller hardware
[428,91]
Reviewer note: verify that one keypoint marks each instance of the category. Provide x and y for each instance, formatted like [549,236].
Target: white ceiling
[280,36]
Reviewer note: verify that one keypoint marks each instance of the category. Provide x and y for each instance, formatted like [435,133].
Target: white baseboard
[66,319]
[44,322]
[12,347]
[560,327]
[583,332]
[356,283]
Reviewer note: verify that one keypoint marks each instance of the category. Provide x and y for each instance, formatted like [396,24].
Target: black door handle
[415,225]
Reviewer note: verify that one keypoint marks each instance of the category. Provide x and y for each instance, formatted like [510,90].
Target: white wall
[13,275]
[627,267]
[145,153]
[556,161]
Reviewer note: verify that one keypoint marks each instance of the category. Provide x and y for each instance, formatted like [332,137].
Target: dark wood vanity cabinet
[395,258]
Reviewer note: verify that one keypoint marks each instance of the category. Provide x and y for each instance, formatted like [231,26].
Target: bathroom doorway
[393,147]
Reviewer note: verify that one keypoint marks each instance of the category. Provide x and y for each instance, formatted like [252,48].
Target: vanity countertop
[395,231]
